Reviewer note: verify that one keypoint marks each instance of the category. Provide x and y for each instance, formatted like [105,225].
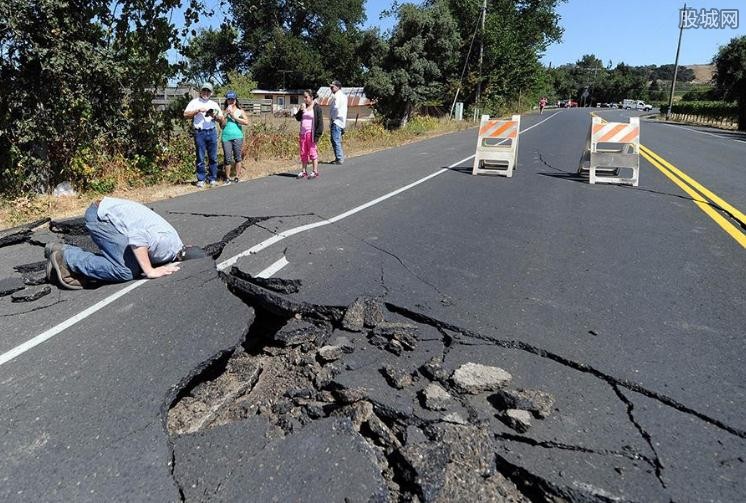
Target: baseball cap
[206,85]
[230,95]
[336,83]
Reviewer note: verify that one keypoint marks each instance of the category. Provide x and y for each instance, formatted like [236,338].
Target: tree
[211,54]
[730,75]
[311,43]
[422,53]
[80,73]
[516,33]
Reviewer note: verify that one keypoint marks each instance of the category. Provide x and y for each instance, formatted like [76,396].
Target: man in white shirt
[204,114]
[337,120]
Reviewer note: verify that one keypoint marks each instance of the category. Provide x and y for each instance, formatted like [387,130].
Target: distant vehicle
[636,105]
[572,103]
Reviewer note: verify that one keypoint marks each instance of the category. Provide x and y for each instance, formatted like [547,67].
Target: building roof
[355,96]
[282,92]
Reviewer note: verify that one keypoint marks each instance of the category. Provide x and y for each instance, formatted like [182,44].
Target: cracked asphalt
[624,308]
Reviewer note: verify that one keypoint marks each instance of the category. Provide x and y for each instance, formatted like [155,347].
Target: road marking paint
[738,215]
[703,132]
[273,269]
[48,334]
[44,336]
[698,199]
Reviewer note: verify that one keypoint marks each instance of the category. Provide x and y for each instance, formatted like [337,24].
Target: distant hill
[702,73]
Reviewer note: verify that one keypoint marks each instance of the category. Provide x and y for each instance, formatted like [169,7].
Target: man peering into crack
[134,241]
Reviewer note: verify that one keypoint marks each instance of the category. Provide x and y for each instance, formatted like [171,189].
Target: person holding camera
[205,114]
[232,136]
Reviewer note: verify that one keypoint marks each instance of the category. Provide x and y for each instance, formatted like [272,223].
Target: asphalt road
[627,304]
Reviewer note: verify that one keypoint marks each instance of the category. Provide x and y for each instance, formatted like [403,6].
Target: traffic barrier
[611,147]
[497,146]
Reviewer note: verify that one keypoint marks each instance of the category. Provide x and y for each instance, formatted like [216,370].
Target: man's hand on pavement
[163,270]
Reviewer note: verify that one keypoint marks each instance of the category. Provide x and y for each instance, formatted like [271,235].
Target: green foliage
[297,44]
[730,75]
[240,83]
[717,110]
[420,56]
[76,72]
[212,54]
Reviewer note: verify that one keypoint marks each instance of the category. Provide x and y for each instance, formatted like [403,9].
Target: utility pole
[481,56]
[675,68]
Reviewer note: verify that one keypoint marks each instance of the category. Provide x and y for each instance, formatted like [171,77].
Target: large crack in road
[377,370]
[368,392]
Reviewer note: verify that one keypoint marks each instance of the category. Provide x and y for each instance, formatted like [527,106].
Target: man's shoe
[51,247]
[67,279]
[213,183]
[201,184]
[338,161]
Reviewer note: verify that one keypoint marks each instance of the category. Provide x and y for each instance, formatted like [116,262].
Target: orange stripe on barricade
[597,128]
[635,134]
[487,127]
[612,133]
[505,126]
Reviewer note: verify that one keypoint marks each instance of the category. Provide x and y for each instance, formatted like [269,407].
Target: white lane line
[273,269]
[296,230]
[44,336]
[703,132]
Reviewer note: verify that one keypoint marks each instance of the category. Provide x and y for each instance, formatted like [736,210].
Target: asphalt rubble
[374,402]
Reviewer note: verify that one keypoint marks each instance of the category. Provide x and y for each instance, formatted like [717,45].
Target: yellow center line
[697,198]
[680,179]
[712,197]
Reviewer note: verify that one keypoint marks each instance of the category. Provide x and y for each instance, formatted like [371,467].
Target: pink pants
[307,147]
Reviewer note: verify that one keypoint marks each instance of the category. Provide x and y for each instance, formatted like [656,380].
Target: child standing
[311,127]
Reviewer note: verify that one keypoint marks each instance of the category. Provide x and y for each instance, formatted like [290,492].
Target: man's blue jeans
[206,140]
[115,263]
[336,138]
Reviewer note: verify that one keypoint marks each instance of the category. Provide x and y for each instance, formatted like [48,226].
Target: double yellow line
[702,197]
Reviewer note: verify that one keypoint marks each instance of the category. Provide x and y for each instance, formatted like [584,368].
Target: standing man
[337,120]
[204,114]
[134,241]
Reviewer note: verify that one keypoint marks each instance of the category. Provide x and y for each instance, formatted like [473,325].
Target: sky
[638,32]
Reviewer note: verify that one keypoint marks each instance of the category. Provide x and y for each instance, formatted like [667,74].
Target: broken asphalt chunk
[330,353]
[296,332]
[354,317]
[434,397]
[19,234]
[535,401]
[11,285]
[372,312]
[475,378]
[397,378]
[519,420]
[30,294]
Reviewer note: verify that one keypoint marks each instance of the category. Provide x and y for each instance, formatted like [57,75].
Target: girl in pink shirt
[311,128]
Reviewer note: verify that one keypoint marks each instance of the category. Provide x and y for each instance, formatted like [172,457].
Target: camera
[210,113]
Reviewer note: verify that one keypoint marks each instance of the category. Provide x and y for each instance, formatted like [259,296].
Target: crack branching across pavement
[432,427]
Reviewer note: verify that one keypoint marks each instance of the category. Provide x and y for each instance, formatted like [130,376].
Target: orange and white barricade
[497,146]
[612,153]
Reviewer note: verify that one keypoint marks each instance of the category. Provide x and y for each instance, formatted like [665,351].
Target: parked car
[572,103]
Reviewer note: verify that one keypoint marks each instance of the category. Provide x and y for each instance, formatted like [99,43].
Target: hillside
[702,73]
